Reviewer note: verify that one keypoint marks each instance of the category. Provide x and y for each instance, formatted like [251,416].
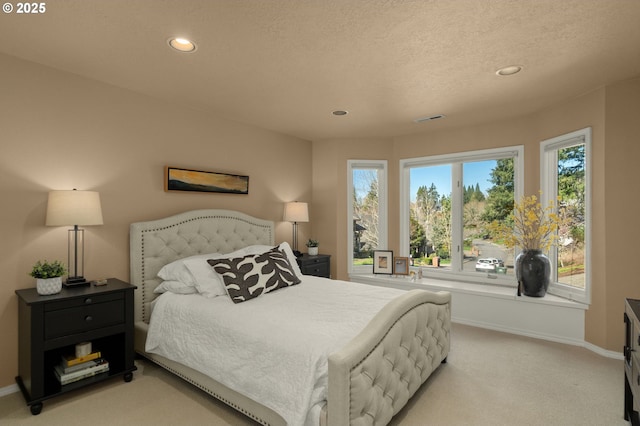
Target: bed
[369,378]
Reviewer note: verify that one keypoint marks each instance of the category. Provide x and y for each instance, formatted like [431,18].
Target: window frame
[383,242]
[456,161]
[549,186]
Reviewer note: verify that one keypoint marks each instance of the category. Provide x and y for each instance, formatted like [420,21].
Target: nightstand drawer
[64,322]
[320,269]
[82,301]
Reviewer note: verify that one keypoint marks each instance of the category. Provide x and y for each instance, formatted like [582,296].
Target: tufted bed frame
[370,379]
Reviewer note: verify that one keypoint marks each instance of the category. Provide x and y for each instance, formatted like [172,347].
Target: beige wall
[611,112]
[59,131]
[329,207]
[622,203]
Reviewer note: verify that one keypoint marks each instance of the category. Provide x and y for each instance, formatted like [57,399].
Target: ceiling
[285,65]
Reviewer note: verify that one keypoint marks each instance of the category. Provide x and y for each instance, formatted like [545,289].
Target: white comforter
[274,348]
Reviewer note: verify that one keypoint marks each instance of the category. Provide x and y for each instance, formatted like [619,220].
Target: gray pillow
[248,277]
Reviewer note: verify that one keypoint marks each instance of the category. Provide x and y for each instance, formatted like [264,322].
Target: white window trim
[456,256]
[383,242]
[549,185]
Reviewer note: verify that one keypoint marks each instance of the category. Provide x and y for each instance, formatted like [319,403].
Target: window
[366,212]
[565,181]
[446,205]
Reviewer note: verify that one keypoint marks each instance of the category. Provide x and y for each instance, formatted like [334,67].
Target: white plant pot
[313,251]
[46,286]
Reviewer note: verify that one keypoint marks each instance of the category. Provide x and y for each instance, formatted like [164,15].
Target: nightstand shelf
[51,326]
[318,265]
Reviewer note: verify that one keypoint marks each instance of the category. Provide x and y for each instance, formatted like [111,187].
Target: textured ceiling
[285,65]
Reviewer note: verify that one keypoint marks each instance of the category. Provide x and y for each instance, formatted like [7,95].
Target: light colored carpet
[491,378]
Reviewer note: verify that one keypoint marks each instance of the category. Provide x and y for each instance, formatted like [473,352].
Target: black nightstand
[50,327]
[319,265]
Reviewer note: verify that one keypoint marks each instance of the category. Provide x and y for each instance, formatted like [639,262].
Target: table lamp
[296,212]
[76,208]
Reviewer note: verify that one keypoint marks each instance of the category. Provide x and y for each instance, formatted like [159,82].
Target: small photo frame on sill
[401,266]
[383,262]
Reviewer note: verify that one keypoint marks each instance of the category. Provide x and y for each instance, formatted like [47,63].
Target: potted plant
[48,276]
[312,247]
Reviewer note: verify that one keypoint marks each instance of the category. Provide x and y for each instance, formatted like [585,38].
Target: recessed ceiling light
[182,44]
[510,70]
[340,112]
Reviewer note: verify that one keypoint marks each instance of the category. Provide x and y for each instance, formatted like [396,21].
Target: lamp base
[297,253]
[75,282]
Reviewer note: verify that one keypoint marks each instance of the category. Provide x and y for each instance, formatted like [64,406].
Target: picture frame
[401,266]
[383,262]
[178,179]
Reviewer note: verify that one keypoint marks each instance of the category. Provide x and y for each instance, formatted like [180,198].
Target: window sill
[487,290]
[499,308]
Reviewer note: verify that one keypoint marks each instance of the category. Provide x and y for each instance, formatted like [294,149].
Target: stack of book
[71,368]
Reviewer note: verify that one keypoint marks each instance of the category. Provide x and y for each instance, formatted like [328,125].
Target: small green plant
[48,270]
[312,243]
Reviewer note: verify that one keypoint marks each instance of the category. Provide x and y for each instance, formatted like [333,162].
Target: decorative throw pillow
[284,247]
[250,276]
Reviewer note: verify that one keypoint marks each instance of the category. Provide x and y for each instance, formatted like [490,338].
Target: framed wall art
[383,262]
[177,179]
[401,265]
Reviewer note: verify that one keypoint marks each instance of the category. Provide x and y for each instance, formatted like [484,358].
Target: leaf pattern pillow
[248,277]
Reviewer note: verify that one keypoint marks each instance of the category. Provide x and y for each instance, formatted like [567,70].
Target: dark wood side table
[318,265]
[50,327]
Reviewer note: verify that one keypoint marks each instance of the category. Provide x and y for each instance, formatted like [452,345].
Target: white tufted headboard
[156,243]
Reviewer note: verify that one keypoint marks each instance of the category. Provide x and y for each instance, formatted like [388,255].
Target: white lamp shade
[296,212]
[74,208]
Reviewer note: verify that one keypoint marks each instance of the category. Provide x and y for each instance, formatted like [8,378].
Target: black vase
[533,271]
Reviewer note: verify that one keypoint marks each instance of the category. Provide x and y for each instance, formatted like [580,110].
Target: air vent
[433,117]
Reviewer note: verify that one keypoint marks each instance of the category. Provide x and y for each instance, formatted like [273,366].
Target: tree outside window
[565,180]
[367,226]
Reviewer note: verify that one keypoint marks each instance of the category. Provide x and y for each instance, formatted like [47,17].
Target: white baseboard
[7,390]
[597,349]
[604,352]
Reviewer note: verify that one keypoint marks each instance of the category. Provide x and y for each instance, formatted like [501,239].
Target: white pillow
[176,287]
[207,281]
[177,271]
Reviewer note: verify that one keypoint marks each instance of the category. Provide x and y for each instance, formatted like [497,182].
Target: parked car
[489,264]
